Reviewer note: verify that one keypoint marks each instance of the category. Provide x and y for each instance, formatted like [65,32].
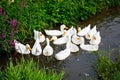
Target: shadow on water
[78,65]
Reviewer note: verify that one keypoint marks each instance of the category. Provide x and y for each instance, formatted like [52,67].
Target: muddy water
[78,66]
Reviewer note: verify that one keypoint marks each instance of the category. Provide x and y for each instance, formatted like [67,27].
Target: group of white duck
[72,38]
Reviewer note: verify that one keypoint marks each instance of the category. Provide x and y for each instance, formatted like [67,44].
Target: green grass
[28,70]
[106,68]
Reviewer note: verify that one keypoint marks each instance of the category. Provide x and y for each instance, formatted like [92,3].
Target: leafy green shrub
[107,69]
[28,70]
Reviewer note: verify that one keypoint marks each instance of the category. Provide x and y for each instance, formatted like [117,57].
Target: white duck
[59,41]
[90,34]
[56,32]
[96,39]
[22,49]
[36,49]
[36,33]
[70,31]
[62,55]
[39,35]
[76,39]
[73,47]
[42,37]
[84,31]
[48,50]
[88,47]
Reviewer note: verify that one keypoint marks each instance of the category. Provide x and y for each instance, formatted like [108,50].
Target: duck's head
[41,34]
[63,26]
[79,29]
[28,47]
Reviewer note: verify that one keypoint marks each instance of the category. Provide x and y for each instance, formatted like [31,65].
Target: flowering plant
[8,30]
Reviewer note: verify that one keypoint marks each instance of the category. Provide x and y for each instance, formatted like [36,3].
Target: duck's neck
[69,41]
[83,41]
[48,42]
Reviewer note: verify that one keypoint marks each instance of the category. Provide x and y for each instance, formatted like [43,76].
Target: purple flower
[3,35]
[0,10]
[11,43]
[11,35]
[13,23]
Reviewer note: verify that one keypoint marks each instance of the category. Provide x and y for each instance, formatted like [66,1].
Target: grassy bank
[28,70]
[18,18]
[108,69]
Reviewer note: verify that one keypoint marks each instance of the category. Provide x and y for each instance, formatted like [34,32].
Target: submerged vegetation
[22,16]
[108,69]
[28,70]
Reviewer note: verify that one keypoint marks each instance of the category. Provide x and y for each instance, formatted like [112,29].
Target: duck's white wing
[60,41]
[96,39]
[76,39]
[62,54]
[53,32]
[90,34]
[20,48]
[84,31]
[89,47]
[73,47]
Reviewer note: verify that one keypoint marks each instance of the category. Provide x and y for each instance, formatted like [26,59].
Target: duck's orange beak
[65,27]
[29,48]
[78,30]
[51,39]
[41,34]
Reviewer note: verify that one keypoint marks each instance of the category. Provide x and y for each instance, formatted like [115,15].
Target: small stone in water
[86,74]
[78,59]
